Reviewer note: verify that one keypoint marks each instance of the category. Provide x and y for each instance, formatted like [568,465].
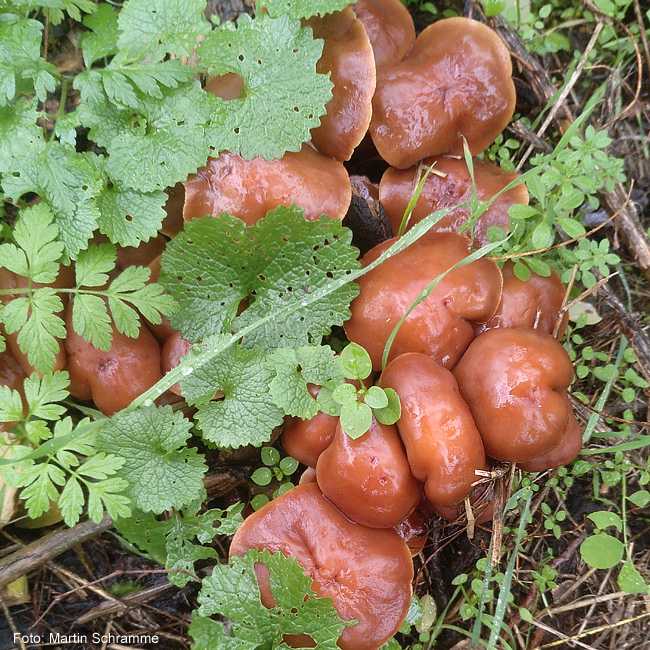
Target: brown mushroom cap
[13,376]
[367,572]
[306,440]
[456,83]
[534,303]
[566,452]
[447,185]
[389,27]
[439,326]
[347,56]
[369,479]
[112,379]
[248,189]
[442,442]
[515,382]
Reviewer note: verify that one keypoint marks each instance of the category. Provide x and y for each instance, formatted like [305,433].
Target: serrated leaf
[11,405]
[129,216]
[232,591]
[209,634]
[161,27]
[156,143]
[162,473]
[146,532]
[247,414]
[284,95]
[94,264]
[40,489]
[71,501]
[294,370]
[101,40]
[297,9]
[43,394]
[294,260]
[91,321]
[107,495]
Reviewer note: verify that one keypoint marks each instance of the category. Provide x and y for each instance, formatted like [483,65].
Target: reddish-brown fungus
[456,83]
[369,479]
[515,382]
[447,185]
[347,56]
[367,572]
[440,326]
[390,29]
[112,379]
[248,189]
[534,303]
[442,442]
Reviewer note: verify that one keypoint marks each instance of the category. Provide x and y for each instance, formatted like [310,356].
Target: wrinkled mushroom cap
[112,379]
[447,185]
[248,189]
[367,572]
[440,326]
[389,27]
[369,479]
[455,83]
[347,56]
[533,303]
[442,442]
[515,382]
[566,452]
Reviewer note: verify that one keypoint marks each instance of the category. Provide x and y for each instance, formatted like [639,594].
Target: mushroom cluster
[480,377]
[475,364]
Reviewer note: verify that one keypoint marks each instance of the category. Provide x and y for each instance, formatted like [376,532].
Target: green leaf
[129,216]
[542,236]
[294,370]
[391,413]
[539,267]
[232,591]
[11,405]
[217,262]
[284,95]
[602,551]
[101,40]
[640,498]
[94,264]
[162,473]
[71,501]
[262,476]
[375,398]
[355,362]
[630,580]
[38,254]
[603,519]
[571,227]
[40,489]
[22,70]
[209,634]
[155,142]
[356,418]
[42,394]
[297,9]
[345,393]
[247,414]
[90,320]
[161,27]
[146,532]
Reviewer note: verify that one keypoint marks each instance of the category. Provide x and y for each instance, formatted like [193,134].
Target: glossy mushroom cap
[534,303]
[306,440]
[566,452]
[441,325]
[347,56]
[442,442]
[369,479]
[13,376]
[112,379]
[481,501]
[248,189]
[456,83]
[447,185]
[515,382]
[367,572]
[389,27]
[9,280]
